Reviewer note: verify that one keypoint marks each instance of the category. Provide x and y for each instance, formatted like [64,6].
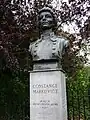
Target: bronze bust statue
[48,50]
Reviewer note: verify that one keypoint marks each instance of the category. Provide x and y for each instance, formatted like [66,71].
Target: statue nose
[44,18]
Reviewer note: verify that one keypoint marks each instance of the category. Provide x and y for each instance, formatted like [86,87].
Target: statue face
[46,20]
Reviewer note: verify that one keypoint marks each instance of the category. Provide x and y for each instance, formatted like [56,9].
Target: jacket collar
[47,36]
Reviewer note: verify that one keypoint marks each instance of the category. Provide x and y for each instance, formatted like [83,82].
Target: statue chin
[46,27]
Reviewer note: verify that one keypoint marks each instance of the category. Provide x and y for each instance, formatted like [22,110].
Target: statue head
[47,19]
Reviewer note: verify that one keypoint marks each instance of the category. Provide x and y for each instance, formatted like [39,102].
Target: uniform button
[53,53]
[36,45]
[42,37]
[54,40]
[53,48]
[35,55]
[54,43]
[34,51]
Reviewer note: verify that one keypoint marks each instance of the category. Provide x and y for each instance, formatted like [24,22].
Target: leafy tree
[18,27]
[78,99]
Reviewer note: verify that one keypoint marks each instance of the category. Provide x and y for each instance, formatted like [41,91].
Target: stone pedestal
[48,95]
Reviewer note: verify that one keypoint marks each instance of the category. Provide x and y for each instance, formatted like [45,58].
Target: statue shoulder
[61,40]
[64,40]
[58,38]
[33,44]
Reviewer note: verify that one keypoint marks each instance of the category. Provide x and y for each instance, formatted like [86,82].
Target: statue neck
[47,32]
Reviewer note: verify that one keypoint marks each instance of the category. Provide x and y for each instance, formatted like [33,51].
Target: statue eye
[40,17]
[48,16]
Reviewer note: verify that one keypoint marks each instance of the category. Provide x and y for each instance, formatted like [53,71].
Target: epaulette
[38,41]
[35,42]
[63,38]
[56,38]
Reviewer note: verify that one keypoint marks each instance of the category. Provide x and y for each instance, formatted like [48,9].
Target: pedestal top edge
[46,70]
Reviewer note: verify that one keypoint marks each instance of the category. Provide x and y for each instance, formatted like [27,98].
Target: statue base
[48,95]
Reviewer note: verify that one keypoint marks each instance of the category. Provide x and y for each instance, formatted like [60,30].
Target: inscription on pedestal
[47,99]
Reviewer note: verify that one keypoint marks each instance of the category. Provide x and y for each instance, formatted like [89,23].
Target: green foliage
[77,91]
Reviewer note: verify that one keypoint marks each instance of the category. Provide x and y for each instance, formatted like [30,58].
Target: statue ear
[38,25]
[66,43]
[37,21]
